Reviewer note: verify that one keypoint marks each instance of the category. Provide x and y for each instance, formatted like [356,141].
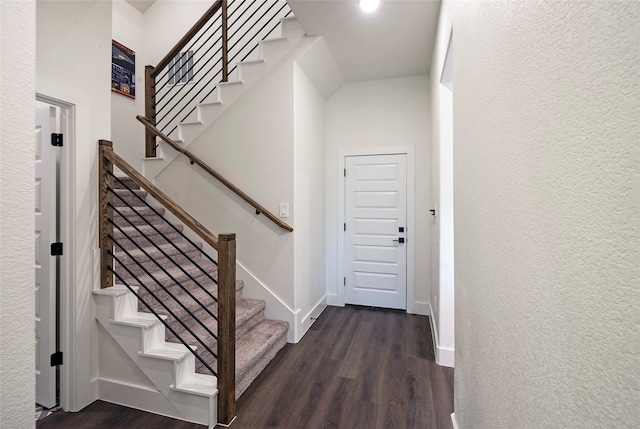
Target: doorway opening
[54,208]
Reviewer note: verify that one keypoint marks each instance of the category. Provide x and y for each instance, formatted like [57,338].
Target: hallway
[357,367]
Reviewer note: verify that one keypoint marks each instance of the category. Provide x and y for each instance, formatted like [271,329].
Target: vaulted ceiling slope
[395,40]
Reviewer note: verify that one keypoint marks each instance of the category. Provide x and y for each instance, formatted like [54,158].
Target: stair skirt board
[153,401]
[166,366]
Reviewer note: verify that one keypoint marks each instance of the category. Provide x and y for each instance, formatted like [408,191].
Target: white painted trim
[332,300]
[445,356]
[138,397]
[276,308]
[454,422]
[67,298]
[400,150]
[422,308]
[310,317]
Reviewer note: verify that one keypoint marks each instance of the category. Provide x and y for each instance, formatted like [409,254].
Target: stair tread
[201,384]
[168,350]
[143,320]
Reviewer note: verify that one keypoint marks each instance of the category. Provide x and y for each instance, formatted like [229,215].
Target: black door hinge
[56,359]
[56,249]
[345,172]
[345,281]
[345,226]
[56,139]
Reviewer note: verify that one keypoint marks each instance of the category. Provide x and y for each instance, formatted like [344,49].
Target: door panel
[376,201]
[45,264]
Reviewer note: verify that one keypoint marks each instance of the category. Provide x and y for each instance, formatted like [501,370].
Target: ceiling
[395,40]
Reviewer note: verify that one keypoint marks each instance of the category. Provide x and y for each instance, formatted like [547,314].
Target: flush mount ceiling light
[368,5]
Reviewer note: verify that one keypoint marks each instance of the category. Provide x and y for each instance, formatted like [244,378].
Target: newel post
[149,110]
[226,327]
[105,212]
[225,39]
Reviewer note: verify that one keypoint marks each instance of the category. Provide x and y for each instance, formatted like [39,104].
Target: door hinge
[345,226]
[56,359]
[345,172]
[56,249]
[344,281]
[56,139]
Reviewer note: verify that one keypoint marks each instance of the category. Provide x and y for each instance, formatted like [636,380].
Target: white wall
[73,64]
[547,237]
[126,132]
[17,308]
[442,258]
[308,189]
[380,113]
[250,144]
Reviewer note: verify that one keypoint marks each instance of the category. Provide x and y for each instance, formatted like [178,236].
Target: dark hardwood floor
[357,367]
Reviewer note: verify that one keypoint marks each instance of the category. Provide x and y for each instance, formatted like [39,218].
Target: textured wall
[17,293]
[546,132]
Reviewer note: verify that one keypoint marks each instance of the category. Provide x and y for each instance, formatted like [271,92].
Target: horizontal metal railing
[191,71]
[136,266]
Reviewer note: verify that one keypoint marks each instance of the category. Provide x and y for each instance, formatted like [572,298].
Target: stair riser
[130,244]
[126,181]
[121,197]
[244,327]
[137,220]
[137,267]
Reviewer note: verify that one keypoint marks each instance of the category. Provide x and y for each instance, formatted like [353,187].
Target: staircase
[147,255]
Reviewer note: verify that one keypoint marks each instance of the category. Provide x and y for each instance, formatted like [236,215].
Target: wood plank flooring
[356,367]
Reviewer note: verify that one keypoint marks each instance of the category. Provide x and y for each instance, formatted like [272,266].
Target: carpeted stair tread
[124,197]
[248,312]
[125,181]
[160,257]
[148,231]
[256,348]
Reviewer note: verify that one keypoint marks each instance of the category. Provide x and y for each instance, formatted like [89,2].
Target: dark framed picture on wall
[123,70]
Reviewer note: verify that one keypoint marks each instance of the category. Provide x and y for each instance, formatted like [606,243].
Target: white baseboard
[453,421]
[310,317]
[421,308]
[332,299]
[445,356]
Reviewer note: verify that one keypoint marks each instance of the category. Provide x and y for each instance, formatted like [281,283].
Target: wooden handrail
[161,197]
[259,209]
[186,38]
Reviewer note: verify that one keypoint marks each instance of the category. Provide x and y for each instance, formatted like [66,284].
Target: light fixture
[368,5]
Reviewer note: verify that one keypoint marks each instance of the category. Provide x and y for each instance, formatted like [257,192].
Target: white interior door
[45,264]
[376,234]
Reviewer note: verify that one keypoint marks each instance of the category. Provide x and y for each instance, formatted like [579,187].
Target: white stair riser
[251,72]
[188,132]
[272,50]
[291,28]
[230,92]
[207,113]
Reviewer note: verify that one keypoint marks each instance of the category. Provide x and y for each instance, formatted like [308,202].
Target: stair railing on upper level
[113,250]
[195,160]
[192,69]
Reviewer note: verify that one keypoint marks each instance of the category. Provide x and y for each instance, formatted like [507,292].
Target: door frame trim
[66,276]
[398,150]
